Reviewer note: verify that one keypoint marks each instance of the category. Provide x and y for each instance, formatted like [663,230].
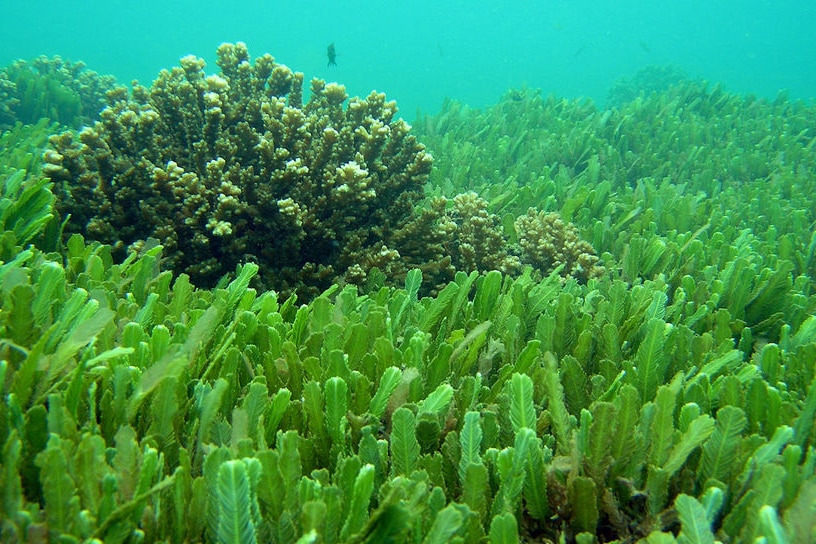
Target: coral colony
[222,169]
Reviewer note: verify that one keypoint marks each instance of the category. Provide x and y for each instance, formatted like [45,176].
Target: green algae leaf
[438,402]
[26,206]
[728,361]
[713,500]
[174,361]
[439,307]
[565,323]
[336,391]
[527,357]
[313,517]
[661,432]
[313,409]
[657,489]
[20,327]
[487,293]
[770,528]
[126,461]
[308,538]
[389,381]
[447,523]
[602,433]
[695,527]
[89,323]
[255,404]
[234,498]
[522,411]
[720,452]
[413,281]
[771,287]
[278,406]
[11,490]
[388,523]
[657,308]
[800,517]
[470,440]
[237,288]
[182,295]
[9,271]
[360,498]
[766,453]
[583,495]
[211,400]
[504,529]
[290,466]
[556,405]
[535,484]
[512,465]
[404,445]
[651,359]
[476,491]
[466,352]
[698,432]
[624,447]
[59,489]
[121,521]
[805,334]
[807,417]
[370,452]
[148,473]
[767,491]
[143,271]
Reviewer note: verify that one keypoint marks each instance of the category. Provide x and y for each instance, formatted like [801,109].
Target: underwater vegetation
[647,80]
[26,201]
[62,91]
[693,163]
[624,349]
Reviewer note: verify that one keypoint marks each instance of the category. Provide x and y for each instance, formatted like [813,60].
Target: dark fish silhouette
[332,54]
[579,50]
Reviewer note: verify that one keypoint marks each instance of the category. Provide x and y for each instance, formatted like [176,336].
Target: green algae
[670,400]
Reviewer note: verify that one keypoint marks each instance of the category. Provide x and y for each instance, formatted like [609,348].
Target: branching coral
[461,234]
[476,241]
[547,242]
[232,167]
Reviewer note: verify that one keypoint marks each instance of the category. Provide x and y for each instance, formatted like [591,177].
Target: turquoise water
[420,52]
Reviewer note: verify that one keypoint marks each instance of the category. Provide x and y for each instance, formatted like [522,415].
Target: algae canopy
[236,310]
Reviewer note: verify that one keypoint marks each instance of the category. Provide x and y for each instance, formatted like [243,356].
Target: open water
[421,51]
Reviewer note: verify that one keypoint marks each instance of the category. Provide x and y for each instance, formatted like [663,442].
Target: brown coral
[231,167]
[475,237]
[547,242]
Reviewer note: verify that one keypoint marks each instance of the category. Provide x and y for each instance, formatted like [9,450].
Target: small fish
[579,50]
[332,54]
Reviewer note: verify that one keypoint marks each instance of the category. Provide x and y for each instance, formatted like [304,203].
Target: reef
[548,242]
[475,239]
[234,167]
[62,91]
[461,234]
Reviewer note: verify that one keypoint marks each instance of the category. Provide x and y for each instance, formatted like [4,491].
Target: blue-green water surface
[422,51]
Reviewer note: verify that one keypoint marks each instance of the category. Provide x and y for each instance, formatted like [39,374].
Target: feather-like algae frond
[236,501]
